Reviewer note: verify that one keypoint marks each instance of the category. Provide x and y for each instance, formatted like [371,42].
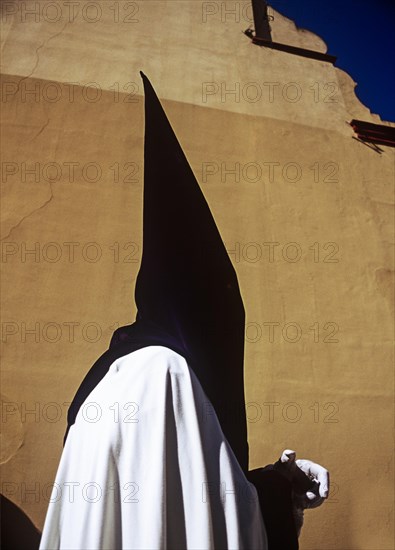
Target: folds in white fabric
[146,466]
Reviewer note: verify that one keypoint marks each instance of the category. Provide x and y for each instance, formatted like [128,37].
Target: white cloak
[146,466]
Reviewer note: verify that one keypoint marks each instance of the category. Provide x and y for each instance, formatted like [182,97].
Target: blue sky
[361,33]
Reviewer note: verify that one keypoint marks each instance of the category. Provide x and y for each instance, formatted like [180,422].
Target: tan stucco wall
[331,401]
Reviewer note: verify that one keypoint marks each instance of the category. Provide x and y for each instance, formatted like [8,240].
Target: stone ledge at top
[182,54]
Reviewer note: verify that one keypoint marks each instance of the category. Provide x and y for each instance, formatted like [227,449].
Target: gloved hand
[310,483]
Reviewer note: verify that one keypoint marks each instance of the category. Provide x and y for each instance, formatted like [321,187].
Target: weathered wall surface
[304,209]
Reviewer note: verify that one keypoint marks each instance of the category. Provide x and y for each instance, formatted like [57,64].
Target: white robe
[146,466]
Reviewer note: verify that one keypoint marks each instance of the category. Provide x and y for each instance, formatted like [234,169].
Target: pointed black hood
[187,285]
[187,294]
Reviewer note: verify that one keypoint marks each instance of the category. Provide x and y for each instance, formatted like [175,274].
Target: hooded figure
[187,294]
[156,452]
[155,456]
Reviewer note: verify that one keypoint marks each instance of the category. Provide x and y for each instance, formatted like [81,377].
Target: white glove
[313,497]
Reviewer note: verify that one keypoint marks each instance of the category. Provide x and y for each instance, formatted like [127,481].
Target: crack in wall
[14,227]
[40,131]
[44,43]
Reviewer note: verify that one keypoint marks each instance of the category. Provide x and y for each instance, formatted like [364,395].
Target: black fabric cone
[186,284]
[187,294]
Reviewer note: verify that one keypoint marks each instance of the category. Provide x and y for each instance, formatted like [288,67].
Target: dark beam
[294,50]
[261,19]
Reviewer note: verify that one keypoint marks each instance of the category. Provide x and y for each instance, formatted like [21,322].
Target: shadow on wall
[17,530]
